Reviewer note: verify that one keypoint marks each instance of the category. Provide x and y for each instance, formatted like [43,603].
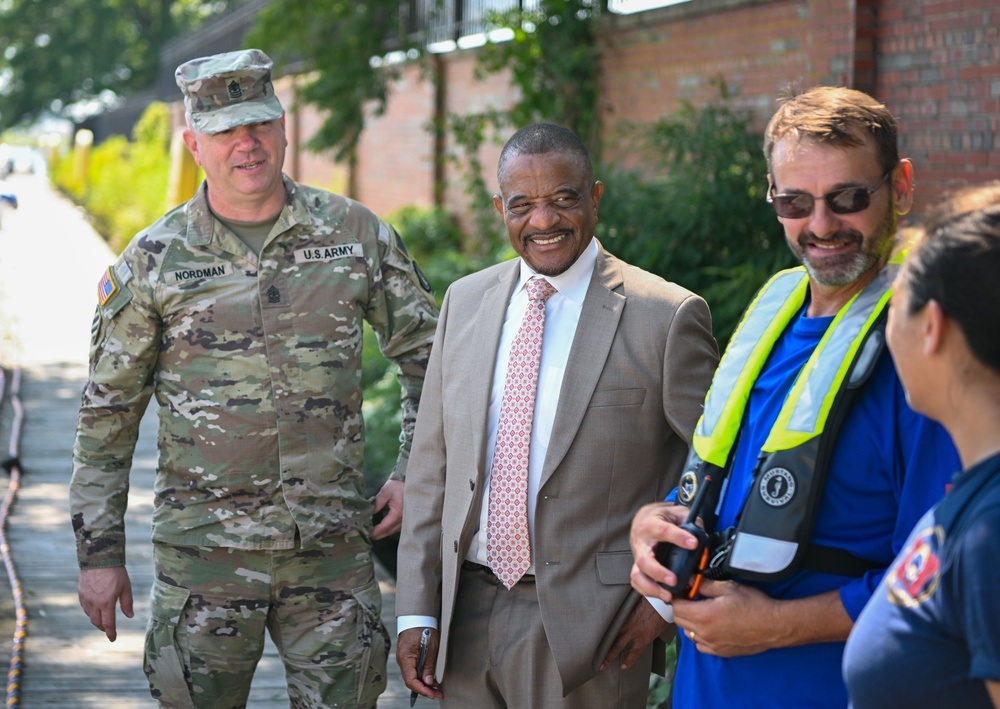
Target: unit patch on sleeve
[328,253]
[106,288]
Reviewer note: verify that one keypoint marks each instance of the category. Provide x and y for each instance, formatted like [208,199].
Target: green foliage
[153,128]
[436,242]
[469,132]
[340,39]
[383,416]
[553,61]
[125,187]
[66,178]
[661,687]
[697,213]
[53,54]
[427,231]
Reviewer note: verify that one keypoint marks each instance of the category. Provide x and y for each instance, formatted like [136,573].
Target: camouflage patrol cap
[228,90]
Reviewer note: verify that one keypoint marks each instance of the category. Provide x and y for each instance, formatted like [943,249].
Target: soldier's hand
[100,590]
[391,494]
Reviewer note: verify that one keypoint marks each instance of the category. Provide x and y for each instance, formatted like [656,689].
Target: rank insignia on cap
[106,288]
[235,92]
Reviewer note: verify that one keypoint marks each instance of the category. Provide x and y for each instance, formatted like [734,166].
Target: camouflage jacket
[255,364]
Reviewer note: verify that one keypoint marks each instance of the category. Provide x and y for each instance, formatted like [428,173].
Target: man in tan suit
[626,359]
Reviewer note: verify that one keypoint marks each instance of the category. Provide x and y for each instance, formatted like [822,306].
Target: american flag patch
[106,288]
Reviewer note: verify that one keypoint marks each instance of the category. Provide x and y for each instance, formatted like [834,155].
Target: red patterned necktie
[508,548]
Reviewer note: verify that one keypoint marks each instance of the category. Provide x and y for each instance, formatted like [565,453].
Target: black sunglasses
[844,201]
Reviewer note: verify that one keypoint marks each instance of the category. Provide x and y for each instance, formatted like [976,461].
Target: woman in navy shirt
[930,635]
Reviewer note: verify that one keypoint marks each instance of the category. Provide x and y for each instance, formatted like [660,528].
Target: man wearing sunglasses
[825,466]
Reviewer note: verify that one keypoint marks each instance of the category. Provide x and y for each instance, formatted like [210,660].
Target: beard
[869,254]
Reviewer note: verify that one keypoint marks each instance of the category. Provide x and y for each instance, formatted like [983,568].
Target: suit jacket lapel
[482,353]
[602,309]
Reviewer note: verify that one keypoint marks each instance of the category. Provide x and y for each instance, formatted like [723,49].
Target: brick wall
[465,95]
[301,124]
[654,61]
[939,71]
[396,152]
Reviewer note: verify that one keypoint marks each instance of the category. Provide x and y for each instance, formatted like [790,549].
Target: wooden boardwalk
[50,261]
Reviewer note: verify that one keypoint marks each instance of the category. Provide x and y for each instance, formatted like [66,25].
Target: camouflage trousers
[210,608]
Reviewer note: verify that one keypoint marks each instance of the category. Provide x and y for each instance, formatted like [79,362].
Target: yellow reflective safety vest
[771,538]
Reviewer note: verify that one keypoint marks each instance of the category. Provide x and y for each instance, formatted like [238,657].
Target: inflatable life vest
[771,538]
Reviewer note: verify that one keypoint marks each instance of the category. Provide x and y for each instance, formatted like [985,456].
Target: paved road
[50,262]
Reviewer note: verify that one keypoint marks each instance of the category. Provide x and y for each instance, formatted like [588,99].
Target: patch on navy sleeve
[208,270]
[328,253]
[915,576]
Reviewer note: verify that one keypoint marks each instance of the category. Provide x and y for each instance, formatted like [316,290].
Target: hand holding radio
[688,564]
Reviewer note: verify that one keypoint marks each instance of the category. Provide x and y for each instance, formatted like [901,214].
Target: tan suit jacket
[632,391]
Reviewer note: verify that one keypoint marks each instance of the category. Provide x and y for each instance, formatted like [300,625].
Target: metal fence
[453,19]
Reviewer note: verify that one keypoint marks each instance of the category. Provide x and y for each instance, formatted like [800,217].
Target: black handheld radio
[685,563]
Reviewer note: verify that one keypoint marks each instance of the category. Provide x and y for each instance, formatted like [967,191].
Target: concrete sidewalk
[50,263]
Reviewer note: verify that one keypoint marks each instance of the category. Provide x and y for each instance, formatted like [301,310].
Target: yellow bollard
[183,180]
[82,143]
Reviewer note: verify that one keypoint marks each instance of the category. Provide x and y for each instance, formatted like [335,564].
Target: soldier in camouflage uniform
[241,312]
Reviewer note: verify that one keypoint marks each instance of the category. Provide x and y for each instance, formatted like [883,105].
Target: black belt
[480,569]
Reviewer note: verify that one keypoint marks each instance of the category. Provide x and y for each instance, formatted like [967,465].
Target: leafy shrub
[660,688]
[427,231]
[696,214]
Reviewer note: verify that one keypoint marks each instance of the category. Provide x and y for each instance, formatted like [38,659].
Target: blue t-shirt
[890,465]
[930,636]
